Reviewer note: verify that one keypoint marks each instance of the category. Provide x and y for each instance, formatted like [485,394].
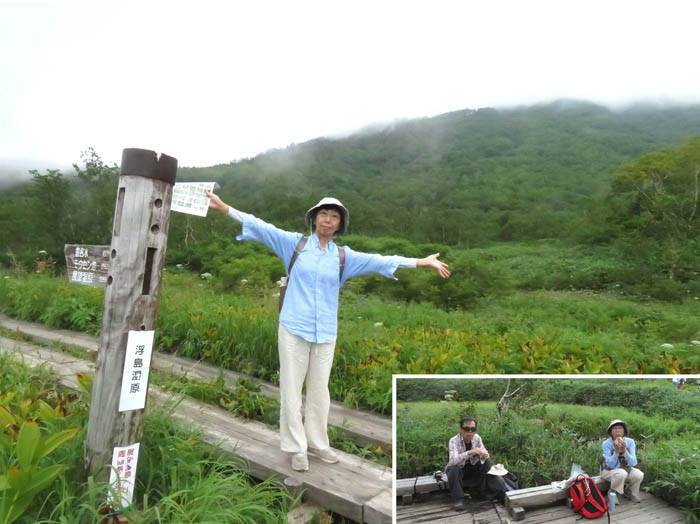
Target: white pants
[299,360]
[618,476]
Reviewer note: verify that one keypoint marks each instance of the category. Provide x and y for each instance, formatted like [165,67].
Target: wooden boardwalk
[436,507]
[355,488]
[361,426]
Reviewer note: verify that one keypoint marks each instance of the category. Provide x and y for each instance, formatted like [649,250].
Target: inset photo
[547,449]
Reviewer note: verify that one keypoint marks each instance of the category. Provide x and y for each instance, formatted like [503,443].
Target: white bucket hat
[498,469]
[328,201]
[615,423]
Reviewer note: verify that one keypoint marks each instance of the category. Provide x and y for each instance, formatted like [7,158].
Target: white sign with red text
[123,475]
[137,364]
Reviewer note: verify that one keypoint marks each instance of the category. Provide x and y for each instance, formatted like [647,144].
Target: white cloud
[224,80]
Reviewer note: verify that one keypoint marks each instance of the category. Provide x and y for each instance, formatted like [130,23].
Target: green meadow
[382,331]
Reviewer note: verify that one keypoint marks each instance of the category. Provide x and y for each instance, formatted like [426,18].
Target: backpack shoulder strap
[297,250]
[341,254]
[300,247]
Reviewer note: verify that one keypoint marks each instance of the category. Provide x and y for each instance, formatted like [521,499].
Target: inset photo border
[498,448]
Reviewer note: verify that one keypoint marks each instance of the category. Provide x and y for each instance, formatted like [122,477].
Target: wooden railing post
[137,255]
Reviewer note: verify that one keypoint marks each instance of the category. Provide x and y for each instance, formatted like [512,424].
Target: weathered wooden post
[137,255]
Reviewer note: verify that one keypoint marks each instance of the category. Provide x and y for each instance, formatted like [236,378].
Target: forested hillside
[621,185]
[462,178]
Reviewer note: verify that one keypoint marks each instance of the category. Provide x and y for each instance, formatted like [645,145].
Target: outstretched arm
[358,263]
[280,241]
[216,203]
[432,261]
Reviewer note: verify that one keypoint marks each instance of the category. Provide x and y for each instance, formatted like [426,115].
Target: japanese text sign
[87,265]
[137,364]
[123,474]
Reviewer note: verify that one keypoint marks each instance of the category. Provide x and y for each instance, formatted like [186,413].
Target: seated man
[468,459]
[619,459]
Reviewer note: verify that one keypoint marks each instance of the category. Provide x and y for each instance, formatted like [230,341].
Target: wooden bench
[407,488]
[518,501]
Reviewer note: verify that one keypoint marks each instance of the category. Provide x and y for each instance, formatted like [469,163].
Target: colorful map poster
[189,197]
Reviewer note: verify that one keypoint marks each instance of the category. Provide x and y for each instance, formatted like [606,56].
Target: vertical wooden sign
[132,292]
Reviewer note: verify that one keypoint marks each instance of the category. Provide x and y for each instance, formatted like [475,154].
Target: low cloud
[15,171]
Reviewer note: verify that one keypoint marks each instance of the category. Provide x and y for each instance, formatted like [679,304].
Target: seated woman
[619,459]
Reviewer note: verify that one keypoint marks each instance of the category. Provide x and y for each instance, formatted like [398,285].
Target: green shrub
[671,472]
[420,389]
[470,282]
[647,396]
[35,421]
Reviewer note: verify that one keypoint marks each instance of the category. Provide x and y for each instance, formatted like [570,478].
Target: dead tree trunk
[503,402]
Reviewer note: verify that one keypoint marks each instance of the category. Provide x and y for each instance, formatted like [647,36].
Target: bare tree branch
[506,395]
[695,200]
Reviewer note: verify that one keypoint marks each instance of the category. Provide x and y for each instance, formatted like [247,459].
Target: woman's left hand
[432,261]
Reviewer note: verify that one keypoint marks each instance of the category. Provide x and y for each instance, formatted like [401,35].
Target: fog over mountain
[15,170]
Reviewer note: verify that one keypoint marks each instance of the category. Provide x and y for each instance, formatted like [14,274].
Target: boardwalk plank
[437,507]
[378,508]
[361,426]
[350,488]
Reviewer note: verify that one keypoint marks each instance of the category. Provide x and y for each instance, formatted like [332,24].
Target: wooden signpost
[133,284]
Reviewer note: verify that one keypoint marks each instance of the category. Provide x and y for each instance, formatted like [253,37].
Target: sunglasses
[470,429]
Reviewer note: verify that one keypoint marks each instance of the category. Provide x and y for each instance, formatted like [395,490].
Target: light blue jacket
[612,457]
[310,308]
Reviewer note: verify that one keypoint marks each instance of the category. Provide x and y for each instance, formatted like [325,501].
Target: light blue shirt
[612,457]
[310,308]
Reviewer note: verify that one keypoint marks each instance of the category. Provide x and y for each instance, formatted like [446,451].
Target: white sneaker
[300,462]
[326,455]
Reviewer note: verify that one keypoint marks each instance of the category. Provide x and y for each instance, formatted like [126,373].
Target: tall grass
[531,332]
[180,478]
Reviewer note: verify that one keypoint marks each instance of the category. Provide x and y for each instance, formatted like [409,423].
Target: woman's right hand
[216,203]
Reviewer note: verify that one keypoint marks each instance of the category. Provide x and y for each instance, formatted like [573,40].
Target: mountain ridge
[518,172]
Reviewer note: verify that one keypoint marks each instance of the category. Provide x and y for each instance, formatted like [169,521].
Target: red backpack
[587,499]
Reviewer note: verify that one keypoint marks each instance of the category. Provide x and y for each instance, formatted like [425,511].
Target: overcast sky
[211,82]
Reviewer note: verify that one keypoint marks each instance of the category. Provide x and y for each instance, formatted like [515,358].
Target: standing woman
[308,321]
[619,461]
